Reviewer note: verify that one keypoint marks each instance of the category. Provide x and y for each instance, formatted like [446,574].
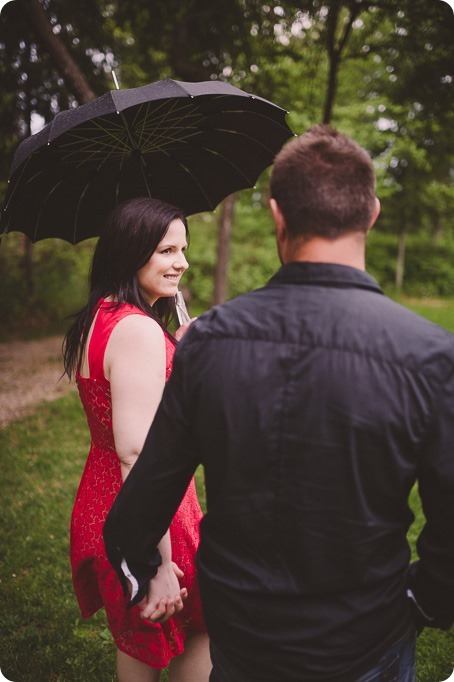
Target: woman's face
[161,275]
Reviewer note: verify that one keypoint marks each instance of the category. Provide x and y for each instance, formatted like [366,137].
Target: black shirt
[314,404]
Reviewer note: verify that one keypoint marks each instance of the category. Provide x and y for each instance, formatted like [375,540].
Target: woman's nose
[181,262]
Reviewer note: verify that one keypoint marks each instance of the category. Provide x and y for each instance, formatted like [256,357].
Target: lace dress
[95,581]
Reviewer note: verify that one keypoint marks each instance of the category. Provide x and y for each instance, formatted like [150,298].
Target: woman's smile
[161,274]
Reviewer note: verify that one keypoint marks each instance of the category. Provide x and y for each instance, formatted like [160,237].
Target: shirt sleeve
[152,492]
[431,579]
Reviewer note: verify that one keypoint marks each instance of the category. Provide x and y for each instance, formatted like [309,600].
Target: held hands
[181,331]
[165,598]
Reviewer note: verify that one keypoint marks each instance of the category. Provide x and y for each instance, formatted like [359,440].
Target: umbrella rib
[110,139]
[164,103]
[151,124]
[153,130]
[153,145]
[182,115]
[29,180]
[60,182]
[134,134]
[110,135]
[89,144]
[42,206]
[110,151]
[257,114]
[77,166]
[231,163]
[248,137]
[17,182]
[84,191]
[142,122]
[169,122]
[117,187]
[202,191]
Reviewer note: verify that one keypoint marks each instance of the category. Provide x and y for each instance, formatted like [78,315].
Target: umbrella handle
[182,311]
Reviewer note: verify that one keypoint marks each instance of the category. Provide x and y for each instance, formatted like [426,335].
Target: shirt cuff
[130,577]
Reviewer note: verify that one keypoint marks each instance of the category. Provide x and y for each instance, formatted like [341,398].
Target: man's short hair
[324,184]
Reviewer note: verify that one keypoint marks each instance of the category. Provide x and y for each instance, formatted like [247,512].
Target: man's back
[328,402]
[314,405]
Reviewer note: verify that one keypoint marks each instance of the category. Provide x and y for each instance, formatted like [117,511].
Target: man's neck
[346,250]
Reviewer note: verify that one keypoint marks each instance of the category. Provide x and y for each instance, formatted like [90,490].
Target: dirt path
[30,374]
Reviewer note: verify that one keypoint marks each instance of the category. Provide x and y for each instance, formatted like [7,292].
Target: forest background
[379,70]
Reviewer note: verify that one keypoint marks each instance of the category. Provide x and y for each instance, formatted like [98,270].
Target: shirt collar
[324,274]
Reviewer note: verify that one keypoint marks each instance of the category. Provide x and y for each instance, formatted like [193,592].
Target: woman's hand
[181,331]
[165,598]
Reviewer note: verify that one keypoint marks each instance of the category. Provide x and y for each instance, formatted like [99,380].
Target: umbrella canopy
[189,144]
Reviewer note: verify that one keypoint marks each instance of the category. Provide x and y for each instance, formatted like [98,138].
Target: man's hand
[181,331]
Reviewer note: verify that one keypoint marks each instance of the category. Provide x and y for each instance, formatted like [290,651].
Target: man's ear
[375,214]
[279,221]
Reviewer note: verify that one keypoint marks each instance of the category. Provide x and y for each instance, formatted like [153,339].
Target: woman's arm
[135,365]
[164,596]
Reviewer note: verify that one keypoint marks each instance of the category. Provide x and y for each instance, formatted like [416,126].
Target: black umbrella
[190,144]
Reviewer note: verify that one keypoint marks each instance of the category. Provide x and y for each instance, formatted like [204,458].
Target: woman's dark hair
[130,236]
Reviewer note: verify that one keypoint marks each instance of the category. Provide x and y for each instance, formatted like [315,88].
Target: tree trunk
[28,267]
[437,227]
[50,42]
[335,49]
[400,264]
[225,225]
[331,89]
[27,244]
[180,64]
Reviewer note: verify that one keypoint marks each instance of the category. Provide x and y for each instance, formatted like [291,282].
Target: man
[314,405]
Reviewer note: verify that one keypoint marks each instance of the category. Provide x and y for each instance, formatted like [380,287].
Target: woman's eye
[166,251]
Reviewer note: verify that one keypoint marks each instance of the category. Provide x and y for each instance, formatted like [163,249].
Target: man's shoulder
[232,318]
[408,339]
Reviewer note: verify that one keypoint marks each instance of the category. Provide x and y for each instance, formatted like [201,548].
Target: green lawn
[440,311]
[42,637]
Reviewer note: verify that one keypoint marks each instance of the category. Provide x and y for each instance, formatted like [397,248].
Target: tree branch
[65,64]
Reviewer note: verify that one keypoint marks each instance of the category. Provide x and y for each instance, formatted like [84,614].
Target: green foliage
[60,276]
[254,257]
[394,96]
[30,84]
[198,280]
[186,39]
[429,264]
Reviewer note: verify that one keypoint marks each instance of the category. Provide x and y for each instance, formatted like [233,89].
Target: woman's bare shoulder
[136,330]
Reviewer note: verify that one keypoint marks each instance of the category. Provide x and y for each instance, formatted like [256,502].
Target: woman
[120,352]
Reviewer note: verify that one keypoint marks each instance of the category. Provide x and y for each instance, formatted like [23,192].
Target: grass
[42,636]
[440,311]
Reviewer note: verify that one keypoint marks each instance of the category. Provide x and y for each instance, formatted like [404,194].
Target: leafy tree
[381,70]
[31,48]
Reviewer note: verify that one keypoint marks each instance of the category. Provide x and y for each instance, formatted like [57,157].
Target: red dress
[95,581]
